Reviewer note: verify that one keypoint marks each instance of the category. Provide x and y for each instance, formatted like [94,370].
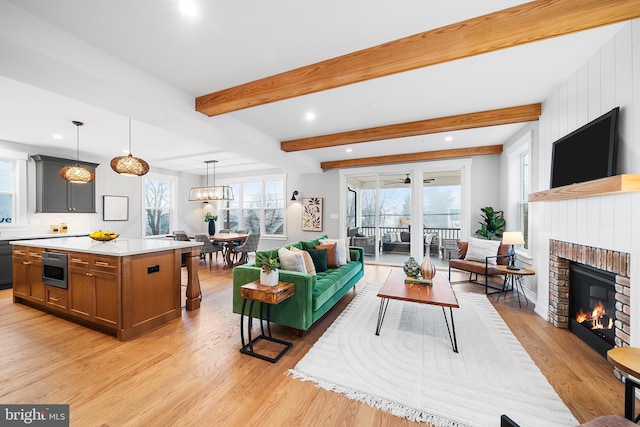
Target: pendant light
[211,193]
[77,174]
[129,165]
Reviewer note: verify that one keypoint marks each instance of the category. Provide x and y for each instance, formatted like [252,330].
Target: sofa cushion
[330,281]
[319,257]
[332,256]
[310,244]
[480,249]
[291,261]
[308,261]
[341,249]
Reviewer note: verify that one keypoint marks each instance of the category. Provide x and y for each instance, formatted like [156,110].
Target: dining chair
[240,253]
[181,236]
[208,248]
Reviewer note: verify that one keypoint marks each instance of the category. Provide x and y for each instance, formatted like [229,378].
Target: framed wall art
[115,208]
[312,214]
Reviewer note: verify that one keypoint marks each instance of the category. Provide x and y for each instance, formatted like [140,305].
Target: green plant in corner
[493,225]
[268,264]
[210,217]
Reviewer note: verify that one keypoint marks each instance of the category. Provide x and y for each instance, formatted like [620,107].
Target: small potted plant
[269,269]
[211,219]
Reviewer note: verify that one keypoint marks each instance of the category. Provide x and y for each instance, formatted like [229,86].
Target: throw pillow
[332,257]
[308,261]
[291,261]
[479,249]
[405,236]
[341,249]
[319,257]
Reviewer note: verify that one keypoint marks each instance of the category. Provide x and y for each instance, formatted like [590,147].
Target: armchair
[485,268]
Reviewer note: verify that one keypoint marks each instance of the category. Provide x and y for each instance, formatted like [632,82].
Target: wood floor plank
[190,371]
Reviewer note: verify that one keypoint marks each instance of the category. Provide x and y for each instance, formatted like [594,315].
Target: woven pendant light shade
[129,165]
[77,174]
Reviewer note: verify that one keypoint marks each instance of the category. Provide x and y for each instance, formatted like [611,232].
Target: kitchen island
[123,287]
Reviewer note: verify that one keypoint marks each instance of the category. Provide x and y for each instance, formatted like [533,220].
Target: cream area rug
[411,371]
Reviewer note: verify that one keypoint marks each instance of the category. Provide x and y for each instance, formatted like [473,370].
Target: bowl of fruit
[103,236]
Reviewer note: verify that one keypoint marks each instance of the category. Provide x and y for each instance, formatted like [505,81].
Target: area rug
[411,371]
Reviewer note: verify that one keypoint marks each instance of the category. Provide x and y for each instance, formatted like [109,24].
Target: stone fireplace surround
[560,255]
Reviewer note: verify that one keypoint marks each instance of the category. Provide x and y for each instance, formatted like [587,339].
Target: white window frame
[263,207]
[19,190]
[515,189]
[173,217]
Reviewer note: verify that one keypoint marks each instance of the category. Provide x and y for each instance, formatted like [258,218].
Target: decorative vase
[212,228]
[269,279]
[411,267]
[427,269]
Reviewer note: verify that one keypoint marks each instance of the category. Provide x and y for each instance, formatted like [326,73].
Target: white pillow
[291,261]
[341,249]
[479,249]
[428,238]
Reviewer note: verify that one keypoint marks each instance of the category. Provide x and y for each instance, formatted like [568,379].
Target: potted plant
[269,269]
[211,219]
[493,225]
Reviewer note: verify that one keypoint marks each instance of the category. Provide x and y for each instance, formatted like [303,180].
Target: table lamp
[512,238]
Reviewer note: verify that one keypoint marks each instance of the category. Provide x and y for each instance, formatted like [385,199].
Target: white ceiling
[103,62]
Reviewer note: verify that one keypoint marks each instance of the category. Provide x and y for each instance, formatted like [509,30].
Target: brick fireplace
[561,254]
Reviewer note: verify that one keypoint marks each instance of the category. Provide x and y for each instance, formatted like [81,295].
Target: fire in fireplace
[592,298]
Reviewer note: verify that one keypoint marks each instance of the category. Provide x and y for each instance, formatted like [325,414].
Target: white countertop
[117,247]
[9,236]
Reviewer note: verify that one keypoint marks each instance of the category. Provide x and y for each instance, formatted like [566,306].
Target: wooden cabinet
[94,288]
[54,194]
[27,274]
[56,298]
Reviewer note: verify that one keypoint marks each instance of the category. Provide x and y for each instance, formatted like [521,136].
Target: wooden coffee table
[439,293]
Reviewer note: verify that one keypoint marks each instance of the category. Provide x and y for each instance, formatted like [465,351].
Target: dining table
[230,239]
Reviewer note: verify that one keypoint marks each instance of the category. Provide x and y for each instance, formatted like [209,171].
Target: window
[519,174]
[523,202]
[13,187]
[159,204]
[258,206]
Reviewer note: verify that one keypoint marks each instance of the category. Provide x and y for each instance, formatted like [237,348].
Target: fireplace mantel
[626,183]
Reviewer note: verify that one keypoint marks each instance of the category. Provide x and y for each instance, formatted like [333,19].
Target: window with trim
[159,208]
[258,207]
[523,200]
[13,188]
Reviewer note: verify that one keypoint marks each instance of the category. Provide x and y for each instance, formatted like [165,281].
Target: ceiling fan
[407,181]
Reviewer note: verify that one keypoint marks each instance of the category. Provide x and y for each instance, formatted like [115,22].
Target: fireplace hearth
[592,299]
[615,266]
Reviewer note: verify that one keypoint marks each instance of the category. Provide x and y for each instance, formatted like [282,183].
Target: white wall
[190,214]
[610,78]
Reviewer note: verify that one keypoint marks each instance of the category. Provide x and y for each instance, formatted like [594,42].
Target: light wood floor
[190,372]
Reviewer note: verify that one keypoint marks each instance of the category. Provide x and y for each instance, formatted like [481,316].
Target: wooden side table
[627,359]
[515,276]
[270,295]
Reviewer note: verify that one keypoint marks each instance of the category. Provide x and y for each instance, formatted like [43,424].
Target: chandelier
[77,174]
[211,193]
[129,165]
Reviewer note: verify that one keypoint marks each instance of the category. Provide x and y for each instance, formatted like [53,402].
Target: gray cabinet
[55,195]
[5,265]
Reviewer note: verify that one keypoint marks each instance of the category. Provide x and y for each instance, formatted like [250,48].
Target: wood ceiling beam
[503,116]
[414,157]
[525,23]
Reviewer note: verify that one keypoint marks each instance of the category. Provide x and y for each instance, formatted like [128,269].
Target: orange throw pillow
[332,254]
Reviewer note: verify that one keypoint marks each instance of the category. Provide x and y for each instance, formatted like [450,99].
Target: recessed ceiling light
[57,136]
[448,138]
[310,116]
[349,150]
[188,8]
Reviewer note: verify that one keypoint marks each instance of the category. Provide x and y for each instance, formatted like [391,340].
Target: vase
[427,269]
[269,279]
[212,228]
[411,267]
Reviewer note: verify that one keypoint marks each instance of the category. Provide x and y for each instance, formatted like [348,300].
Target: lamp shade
[512,238]
[129,165]
[77,174]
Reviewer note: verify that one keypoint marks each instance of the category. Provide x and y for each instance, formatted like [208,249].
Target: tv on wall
[587,153]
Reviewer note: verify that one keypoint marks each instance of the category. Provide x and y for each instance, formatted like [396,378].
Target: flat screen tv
[587,153]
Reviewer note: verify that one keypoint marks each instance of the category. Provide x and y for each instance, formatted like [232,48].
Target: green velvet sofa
[313,296]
